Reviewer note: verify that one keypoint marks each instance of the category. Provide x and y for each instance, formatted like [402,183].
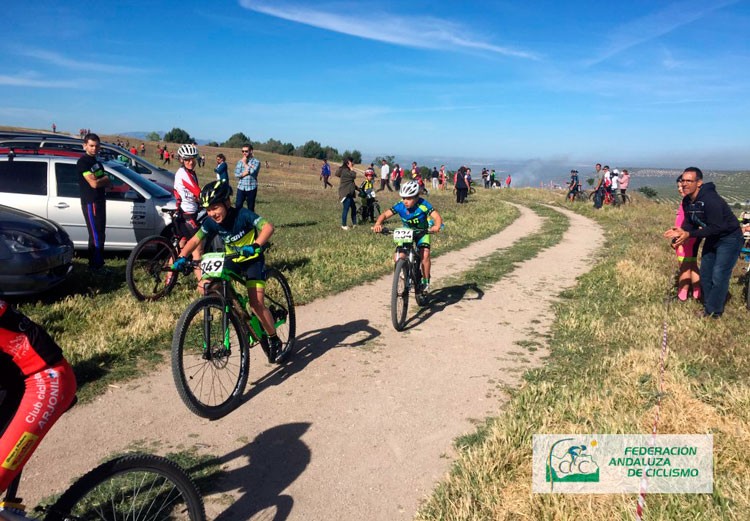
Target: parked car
[46,143]
[36,253]
[47,185]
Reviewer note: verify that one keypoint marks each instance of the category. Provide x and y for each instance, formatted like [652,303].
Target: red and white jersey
[28,345]
[186,190]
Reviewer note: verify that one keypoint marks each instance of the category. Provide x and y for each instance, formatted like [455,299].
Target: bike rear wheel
[278,300]
[210,358]
[400,294]
[138,487]
[148,270]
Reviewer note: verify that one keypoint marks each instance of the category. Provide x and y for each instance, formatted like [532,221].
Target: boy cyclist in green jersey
[244,232]
[416,213]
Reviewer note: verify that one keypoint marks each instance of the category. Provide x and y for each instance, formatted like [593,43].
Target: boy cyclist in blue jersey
[242,231]
[418,214]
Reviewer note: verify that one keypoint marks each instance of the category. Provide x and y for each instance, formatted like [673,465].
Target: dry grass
[602,377]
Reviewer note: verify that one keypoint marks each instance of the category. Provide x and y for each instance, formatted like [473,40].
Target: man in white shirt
[385,177]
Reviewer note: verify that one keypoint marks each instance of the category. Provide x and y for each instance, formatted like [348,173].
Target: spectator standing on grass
[134,150]
[435,178]
[396,176]
[708,217]
[143,149]
[442,177]
[347,189]
[614,185]
[687,256]
[624,182]
[461,185]
[246,172]
[92,182]
[167,159]
[221,170]
[507,181]
[385,176]
[54,128]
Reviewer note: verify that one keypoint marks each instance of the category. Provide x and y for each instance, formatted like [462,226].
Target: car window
[119,190]
[23,177]
[67,180]
[152,188]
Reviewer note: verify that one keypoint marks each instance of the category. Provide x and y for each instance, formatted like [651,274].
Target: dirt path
[359,424]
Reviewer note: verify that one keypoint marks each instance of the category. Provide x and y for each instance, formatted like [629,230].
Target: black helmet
[215,192]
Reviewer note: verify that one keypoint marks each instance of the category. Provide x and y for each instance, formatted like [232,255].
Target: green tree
[311,149]
[212,144]
[177,135]
[388,159]
[356,156]
[648,191]
[153,136]
[590,181]
[236,141]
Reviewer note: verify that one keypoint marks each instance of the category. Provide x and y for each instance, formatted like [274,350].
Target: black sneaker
[276,350]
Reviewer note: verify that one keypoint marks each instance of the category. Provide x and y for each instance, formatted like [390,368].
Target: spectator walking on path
[246,172]
[325,174]
[92,182]
[347,189]
[709,217]
[385,176]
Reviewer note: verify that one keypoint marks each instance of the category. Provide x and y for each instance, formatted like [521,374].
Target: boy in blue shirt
[416,213]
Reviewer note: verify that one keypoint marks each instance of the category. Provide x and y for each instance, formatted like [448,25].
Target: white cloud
[434,33]
[654,25]
[27,81]
[64,62]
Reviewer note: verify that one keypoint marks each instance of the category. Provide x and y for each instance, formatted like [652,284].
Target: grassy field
[601,377]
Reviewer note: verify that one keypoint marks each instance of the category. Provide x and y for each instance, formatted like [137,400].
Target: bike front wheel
[278,300]
[148,270]
[400,294]
[138,487]
[210,358]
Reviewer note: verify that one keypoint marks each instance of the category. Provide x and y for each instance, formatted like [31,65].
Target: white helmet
[409,189]
[187,151]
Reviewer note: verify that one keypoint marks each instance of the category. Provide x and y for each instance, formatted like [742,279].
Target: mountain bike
[407,274]
[745,277]
[148,271]
[212,338]
[363,212]
[138,487]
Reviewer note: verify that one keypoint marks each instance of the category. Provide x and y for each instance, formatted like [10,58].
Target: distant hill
[142,136]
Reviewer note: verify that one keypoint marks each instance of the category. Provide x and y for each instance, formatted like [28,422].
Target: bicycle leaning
[139,487]
[148,271]
[212,338]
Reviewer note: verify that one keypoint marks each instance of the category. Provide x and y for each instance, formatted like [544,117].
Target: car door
[127,217]
[23,184]
[65,202]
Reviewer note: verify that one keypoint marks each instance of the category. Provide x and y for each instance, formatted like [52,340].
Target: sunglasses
[245,151]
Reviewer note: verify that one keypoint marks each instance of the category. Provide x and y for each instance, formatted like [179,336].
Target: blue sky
[637,82]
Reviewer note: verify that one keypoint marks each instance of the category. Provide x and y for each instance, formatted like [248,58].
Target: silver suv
[47,185]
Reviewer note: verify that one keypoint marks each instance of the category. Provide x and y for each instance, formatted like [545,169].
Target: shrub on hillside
[177,135]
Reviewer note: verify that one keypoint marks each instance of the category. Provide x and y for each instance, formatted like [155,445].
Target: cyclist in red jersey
[38,385]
